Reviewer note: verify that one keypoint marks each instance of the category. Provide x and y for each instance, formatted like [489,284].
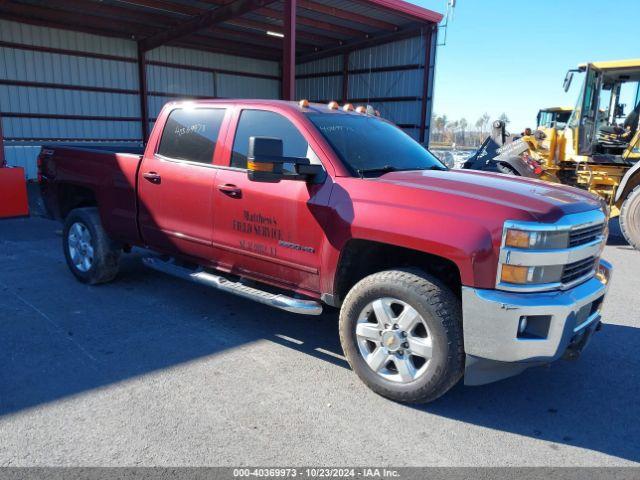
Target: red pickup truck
[438,273]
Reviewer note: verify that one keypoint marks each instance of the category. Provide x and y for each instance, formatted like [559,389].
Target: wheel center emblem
[390,340]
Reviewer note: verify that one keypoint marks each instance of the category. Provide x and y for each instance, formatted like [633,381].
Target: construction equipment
[553,117]
[598,149]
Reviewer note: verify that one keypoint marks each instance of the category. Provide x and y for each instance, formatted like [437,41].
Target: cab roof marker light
[304,103]
[361,109]
[348,107]
[333,106]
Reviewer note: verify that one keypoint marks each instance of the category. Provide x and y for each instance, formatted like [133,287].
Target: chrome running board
[283,302]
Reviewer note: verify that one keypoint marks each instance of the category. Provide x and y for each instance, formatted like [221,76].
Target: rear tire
[630,218]
[91,255]
[433,346]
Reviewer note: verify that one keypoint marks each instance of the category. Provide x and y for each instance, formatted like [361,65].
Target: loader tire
[630,218]
[401,331]
[507,169]
[91,255]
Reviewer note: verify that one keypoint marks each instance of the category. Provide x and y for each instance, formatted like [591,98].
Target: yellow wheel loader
[597,149]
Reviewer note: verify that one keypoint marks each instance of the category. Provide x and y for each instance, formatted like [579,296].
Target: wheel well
[632,183]
[360,258]
[74,196]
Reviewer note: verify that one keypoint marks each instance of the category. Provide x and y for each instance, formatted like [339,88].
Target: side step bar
[283,302]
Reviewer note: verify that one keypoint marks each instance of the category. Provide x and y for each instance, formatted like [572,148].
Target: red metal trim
[55,116]
[289,51]
[373,100]
[345,77]
[213,70]
[426,84]
[185,96]
[62,51]
[310,22]
[202,21]
[144,98]
[400,7]
[346,15]
[395,68]
[64,86]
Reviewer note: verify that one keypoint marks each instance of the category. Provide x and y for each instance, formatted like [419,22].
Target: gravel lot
[150,370]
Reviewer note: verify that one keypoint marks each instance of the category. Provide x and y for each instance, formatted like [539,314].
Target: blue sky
[496,60]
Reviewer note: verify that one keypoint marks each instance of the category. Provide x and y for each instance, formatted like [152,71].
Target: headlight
[515,238]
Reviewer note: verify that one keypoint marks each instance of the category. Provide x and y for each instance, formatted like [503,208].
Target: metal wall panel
[407,83]
[55,38]
[323,65]
[23,156]
[403,52]
[323,88]
[184,56]
[180,81]
[67,70]
[45,128]
[16,99]
[366,81]
[234,86]
[26,65]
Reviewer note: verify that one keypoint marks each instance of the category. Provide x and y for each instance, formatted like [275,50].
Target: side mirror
[265,163]
[567,81]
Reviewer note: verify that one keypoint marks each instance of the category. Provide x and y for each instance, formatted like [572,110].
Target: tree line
[461,132]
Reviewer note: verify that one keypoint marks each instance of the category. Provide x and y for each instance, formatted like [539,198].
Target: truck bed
[90,175]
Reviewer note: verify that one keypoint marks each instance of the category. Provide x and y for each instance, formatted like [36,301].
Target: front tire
[630,218]
[91,255]
[401,331]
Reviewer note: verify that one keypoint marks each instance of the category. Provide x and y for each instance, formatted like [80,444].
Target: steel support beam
[202,21]
[289,51]
[345,77]
[142,93]
[431,35]
[2,157]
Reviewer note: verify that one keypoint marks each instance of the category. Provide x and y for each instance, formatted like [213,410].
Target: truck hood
[545,201]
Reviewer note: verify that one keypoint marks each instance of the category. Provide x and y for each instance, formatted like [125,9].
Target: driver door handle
[230,190]
[153,177]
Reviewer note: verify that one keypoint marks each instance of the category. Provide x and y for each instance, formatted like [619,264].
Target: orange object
[13,193]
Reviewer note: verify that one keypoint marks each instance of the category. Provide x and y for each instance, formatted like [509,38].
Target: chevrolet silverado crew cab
[438,274]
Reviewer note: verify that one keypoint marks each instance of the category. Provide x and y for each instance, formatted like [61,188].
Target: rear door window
[261,123]
[191,134]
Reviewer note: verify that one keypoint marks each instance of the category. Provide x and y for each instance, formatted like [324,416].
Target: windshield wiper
[386,169]
[390,168]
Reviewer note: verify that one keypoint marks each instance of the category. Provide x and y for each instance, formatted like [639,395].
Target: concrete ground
[149,370]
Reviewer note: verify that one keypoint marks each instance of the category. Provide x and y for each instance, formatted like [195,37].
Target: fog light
[514,274]
[522,326]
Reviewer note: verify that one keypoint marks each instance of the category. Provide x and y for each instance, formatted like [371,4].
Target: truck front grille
[582,236]
[574,271]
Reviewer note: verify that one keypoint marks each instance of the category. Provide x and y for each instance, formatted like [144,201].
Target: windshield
[370,146]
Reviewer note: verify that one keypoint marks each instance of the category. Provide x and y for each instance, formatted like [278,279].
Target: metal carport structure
[98,71]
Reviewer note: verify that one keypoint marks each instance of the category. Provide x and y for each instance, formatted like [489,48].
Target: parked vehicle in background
[437,273]
[598,149]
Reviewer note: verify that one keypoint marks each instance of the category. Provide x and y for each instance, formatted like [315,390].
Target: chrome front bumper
[558,320]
